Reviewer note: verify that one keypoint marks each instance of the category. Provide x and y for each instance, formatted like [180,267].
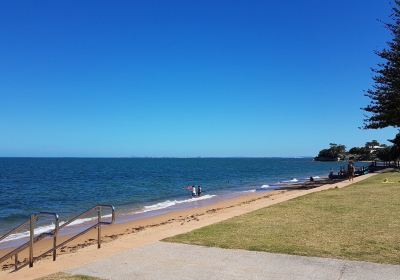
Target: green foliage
[357,151]
[333,152]
[361,153]
[386,154]
[396,140]
[394,152]
[372,144]
[384,109]
[370,151]
[390,153]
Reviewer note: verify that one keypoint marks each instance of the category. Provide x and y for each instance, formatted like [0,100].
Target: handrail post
[16,261]
[56,226]
[98,227]
[112,215]
[32,221]
[31,235]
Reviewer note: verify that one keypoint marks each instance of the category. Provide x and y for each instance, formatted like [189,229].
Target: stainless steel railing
[32,239]
[97,225]
[32,234]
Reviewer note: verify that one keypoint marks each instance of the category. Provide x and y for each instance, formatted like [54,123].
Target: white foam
[169,203]
[48,228]
[293,180]
[249,191]
[25,234]
[79,221]
[265,186]
[84,220]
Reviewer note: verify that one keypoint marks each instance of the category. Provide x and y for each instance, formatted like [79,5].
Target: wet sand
[120,237]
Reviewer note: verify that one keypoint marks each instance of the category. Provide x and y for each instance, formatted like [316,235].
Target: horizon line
[155,157]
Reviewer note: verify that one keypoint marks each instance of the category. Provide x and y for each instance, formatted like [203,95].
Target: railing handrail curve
[32,239]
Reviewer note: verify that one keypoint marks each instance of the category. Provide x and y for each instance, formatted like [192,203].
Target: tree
[334,152]
[337,150]
[389,154]
[361,153]
[372,144]
[385,154]
[396,140]
[357,151]
[368,152]
[396,147]
[384,109]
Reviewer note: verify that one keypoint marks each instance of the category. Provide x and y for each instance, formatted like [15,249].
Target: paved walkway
[178,261]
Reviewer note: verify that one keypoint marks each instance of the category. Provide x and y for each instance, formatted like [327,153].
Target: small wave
[169,203]
[48,228]
[293,180]
[84,220]
[249,191]
[265,186]
[25,234]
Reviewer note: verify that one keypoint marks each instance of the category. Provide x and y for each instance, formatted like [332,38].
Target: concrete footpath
[166,261]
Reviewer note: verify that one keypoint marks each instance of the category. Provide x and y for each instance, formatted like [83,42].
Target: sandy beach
[119,237]
[130,124]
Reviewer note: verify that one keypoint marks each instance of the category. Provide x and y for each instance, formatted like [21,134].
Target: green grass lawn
[359,222]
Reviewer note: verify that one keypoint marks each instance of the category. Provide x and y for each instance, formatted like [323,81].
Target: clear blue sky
[186,78]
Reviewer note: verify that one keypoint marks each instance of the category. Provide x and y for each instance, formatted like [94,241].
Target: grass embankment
[65,276]
[359,222]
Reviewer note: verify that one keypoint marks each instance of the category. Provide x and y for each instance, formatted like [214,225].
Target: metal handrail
[97,225]
[99,206]
[54,233]
[22,247]
[33,218]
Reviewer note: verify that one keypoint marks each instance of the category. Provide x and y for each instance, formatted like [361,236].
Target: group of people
[348,173]
[195,191]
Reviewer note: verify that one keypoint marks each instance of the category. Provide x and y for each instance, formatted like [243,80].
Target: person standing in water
[193,191]
[198,191]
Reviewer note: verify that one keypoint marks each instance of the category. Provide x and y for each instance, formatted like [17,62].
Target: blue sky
[186,78]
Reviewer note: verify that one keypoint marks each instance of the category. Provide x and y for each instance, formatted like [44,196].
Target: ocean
[69,186]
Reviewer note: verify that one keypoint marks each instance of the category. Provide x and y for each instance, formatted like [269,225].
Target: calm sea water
[70,185]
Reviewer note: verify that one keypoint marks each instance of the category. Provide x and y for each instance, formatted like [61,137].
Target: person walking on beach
[198,191]
[350,170]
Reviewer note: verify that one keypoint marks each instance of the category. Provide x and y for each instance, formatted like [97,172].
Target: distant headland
[371,151]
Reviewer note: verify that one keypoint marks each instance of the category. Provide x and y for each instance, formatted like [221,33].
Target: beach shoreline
[158,208]
[120,237]
[132,185]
